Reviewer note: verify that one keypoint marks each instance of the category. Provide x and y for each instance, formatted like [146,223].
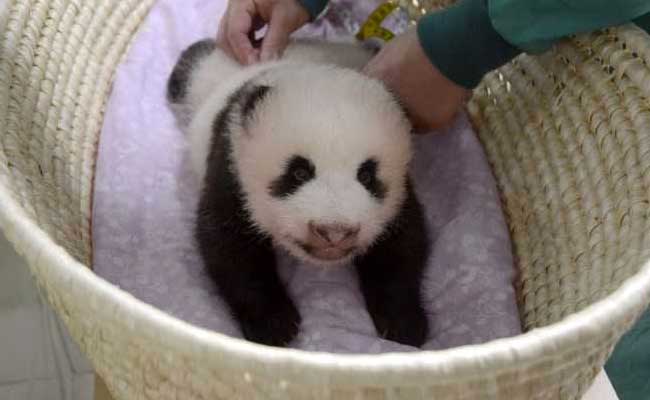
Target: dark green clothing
[629,367]
[473,37]
[461,42]
[533,25]
[314,7]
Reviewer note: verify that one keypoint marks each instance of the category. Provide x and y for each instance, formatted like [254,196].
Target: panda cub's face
[322,159]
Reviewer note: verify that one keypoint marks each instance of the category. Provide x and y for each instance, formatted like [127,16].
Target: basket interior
[567,135]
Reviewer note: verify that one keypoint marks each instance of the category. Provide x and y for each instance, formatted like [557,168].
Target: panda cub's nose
[334,234]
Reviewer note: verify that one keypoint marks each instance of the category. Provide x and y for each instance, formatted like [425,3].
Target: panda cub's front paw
[409,327]
[274,324]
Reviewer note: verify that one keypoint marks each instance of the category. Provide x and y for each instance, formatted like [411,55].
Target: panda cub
[309,155]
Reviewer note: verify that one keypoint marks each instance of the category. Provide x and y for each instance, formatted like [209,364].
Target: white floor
[601,389]
[38,361]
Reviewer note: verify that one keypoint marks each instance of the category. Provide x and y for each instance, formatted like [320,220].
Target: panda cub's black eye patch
[367,177]
[297,172]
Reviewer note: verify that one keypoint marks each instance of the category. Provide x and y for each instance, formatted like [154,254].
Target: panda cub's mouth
[327,243]
[329,254]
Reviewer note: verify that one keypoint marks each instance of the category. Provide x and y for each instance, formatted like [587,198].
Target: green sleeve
[461,42]
[314,7]
[534,25]
[643,22]
[473,37]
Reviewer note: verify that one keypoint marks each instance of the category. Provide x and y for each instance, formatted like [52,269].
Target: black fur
[254,98]
[299,171]
[180,76]
[367,176]
[239,259]
[390,276]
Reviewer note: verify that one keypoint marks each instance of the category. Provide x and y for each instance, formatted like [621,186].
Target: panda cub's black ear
[177,84]
[251,98]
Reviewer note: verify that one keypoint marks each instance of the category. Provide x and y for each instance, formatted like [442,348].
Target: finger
[222,40]
[258,23]
[240,20]
[254,56]
[277,36]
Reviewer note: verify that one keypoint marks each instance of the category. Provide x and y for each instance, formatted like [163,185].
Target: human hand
[430,98]
[244,17]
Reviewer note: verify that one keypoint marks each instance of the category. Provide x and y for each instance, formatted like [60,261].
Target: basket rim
[501,354]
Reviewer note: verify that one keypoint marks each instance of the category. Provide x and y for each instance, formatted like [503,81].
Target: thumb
[277,36]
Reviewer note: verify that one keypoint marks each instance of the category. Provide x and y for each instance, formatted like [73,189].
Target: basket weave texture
[568,137]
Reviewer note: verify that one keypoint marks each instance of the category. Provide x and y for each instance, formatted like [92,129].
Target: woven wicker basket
[567,135]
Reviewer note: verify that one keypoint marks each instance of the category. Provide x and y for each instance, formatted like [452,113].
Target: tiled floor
[38,361]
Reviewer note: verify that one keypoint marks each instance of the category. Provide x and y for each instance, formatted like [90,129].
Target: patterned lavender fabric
[145,196]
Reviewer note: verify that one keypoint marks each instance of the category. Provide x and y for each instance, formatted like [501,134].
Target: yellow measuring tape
[372,26]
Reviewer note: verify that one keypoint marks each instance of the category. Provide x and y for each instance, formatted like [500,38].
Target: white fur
[333,116]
